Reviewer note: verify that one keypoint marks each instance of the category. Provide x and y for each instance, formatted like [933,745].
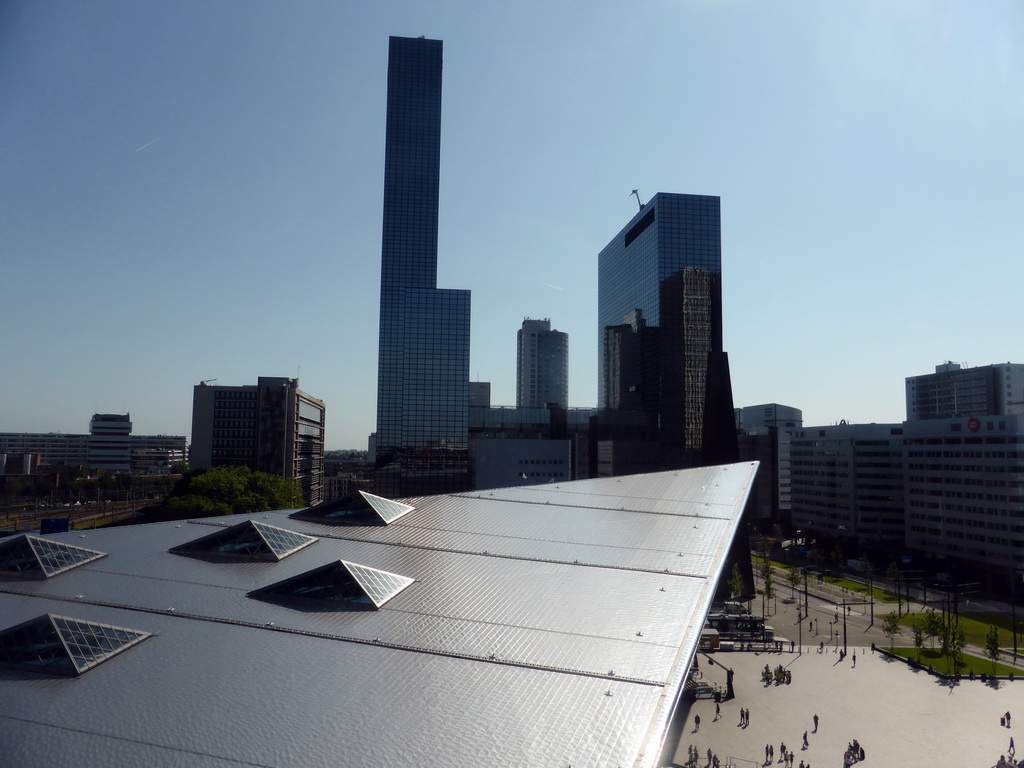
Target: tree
[933,626]
[893,574]
[917,626]
[992,645]
[793,578]
[767,579]
[232,490]
[957,641]
[736,586]
[891,627]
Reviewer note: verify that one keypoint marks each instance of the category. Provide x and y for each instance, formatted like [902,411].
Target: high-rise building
[953,391]
[271,427]
[423,363]
[542,366]
[662,367]
[765,432]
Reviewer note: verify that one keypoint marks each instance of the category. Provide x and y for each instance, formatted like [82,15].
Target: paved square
[901,717]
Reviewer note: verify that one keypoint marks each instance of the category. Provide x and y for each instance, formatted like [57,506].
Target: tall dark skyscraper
[660,338]
[423,364]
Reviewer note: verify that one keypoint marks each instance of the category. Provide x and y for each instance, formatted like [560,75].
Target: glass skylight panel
[339,583]
[388,510]
[37,556]
[359,508]
[62,645]
[248,540]
[89,644]
[283,542]
[380,586]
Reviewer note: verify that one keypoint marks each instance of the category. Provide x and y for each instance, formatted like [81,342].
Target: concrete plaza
[900,716]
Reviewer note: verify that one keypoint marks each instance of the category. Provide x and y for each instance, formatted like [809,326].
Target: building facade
[954,391]
[110,442]
[271,426]
[847,484]
[965,496]
[947,492]
[423,362]
[660,333]
[542,366]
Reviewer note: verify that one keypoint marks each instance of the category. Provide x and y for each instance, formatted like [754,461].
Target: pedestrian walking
[767,757]
[854,659]
[696,723]
[1012,748]
[815,724]
[1007,719]
[718,711]
[805,739]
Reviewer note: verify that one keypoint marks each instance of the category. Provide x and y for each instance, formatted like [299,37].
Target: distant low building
[109,446]
[526,446]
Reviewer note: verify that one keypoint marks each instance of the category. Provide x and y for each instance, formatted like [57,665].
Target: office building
[110,442]
[271,426]
[479,394]
[660,340]
[848,485]
[542,366]
[545,626]
[954,391]
[423,363]
[965,497]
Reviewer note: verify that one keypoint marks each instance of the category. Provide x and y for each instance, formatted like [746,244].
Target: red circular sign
[973,424]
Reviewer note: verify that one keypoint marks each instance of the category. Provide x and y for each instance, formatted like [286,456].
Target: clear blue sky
[193,190]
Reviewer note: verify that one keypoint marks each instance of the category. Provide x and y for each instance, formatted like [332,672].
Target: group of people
[779,675]
[693,758]
[854,754]
[1011,761]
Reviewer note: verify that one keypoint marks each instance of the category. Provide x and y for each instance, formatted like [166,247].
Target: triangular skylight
[339,585]
[249,540]
[359,508]
[28,555]
[63,646]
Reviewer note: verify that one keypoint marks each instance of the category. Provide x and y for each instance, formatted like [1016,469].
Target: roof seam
[343,638]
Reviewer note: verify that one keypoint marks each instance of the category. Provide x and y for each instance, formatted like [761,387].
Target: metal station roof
[541,625]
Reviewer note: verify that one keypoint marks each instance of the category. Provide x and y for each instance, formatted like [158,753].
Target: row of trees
[231,490]
[951,639]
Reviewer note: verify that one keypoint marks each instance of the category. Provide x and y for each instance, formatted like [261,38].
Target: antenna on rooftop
[637,193]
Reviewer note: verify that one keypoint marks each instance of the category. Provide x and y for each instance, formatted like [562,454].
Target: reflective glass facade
[660,318]
[423,366]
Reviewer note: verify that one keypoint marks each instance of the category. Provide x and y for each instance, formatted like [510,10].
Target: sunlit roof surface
[529,606]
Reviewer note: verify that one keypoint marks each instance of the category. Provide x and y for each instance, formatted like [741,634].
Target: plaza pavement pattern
[900,716]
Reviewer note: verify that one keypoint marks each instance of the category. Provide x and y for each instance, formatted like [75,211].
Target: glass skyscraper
[660,335]
[423,363]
